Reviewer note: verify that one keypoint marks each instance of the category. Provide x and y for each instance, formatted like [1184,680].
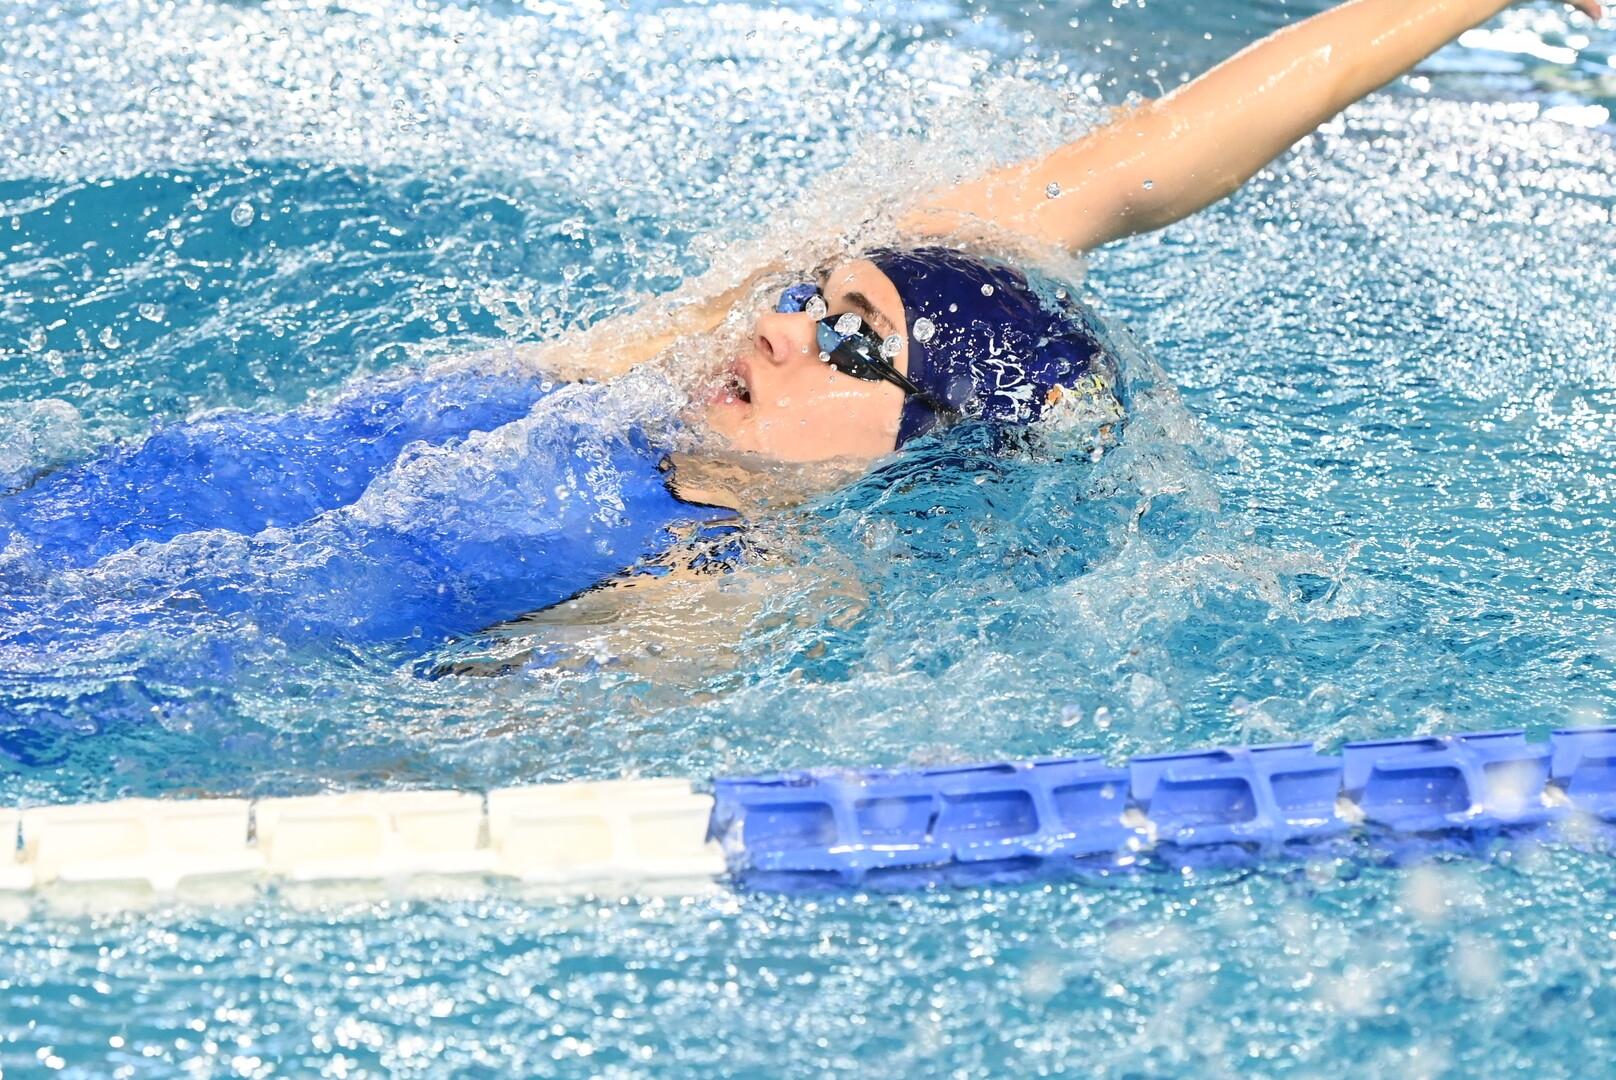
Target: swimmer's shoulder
[670,592]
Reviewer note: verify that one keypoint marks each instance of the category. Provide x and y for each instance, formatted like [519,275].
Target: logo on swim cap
[982,339]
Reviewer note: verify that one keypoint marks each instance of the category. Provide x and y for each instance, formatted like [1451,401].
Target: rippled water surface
[1367,491]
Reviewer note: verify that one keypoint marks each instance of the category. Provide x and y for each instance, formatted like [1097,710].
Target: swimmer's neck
[749,485]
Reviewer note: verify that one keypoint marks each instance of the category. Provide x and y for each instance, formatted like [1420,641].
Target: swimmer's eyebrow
[861,303]
[858,301]
[867,309]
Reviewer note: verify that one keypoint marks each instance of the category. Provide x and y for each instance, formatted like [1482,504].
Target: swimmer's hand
[1589,8]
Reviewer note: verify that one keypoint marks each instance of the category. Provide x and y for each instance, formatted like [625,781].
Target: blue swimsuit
[412,510]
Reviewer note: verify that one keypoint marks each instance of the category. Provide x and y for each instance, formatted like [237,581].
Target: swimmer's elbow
[1165,170]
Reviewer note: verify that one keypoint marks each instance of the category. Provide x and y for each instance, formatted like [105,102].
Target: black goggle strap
[861,350]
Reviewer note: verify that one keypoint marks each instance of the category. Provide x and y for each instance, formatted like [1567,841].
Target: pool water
[1367,491]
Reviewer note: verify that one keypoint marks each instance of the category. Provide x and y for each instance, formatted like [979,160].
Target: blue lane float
[891,828]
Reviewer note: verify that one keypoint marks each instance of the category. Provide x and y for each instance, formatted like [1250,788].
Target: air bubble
[36,340]
[924,329]
[816,308]
[987,290]
[1053,190]
[891,347]
[824,357]
[953,308]
[243,214]
[1149,184]
[848,323]
[151,312]
[107,338]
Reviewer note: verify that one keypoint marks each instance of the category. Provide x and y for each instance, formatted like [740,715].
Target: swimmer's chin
[718,424]
[731,427]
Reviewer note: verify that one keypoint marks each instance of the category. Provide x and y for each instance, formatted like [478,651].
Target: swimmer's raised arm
[1164,160]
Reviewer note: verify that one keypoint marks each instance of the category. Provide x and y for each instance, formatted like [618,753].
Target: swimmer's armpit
[638,622]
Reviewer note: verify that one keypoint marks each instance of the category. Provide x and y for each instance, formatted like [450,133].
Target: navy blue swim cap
[984,340]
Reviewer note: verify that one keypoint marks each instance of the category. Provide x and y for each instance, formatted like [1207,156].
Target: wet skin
[781,401]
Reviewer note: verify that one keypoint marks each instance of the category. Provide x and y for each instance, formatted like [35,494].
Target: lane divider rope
[557,834]
[887,828]
[1009,820]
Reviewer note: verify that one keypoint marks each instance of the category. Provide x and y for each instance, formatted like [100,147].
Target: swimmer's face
[784,402]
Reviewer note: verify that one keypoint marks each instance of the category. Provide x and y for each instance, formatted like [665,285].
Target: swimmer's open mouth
[732,385]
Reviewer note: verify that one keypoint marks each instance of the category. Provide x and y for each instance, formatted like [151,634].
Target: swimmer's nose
[784,338]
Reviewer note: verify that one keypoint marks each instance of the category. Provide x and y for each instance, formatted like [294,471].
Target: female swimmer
[879,349]
[348,522]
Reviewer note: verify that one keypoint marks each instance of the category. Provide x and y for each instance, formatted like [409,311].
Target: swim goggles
[854,350]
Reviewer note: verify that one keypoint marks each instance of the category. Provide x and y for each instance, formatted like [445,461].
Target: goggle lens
[858,353]
[848,353]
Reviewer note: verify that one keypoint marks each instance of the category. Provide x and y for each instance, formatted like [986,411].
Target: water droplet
[1053,190]
[108,338]
[243,214]
[987,290]
[1149,184]
[151,312]
[848,323]
[924,329]
[816,308]
[824,357]
[892,346]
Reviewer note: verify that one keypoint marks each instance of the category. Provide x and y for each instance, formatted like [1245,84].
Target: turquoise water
[1367,492]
